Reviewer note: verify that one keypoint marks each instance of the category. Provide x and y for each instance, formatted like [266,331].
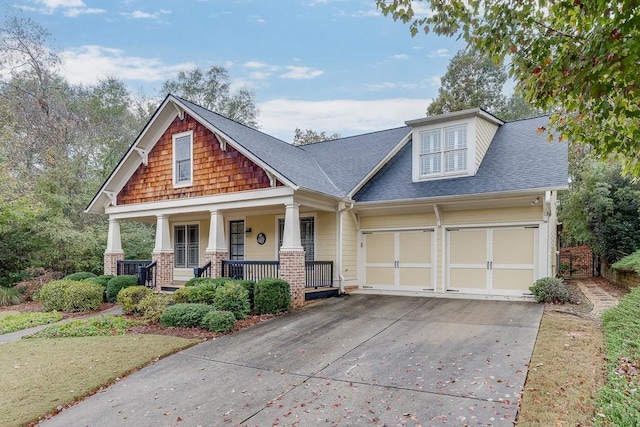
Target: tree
[517,108]
[579,58]
[472,80]
[310,136]
[211,89]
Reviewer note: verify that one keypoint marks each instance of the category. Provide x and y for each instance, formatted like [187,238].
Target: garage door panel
[380,275]
[470,246]
[415,276]
[380,248]
[415,247]
[513,279]
[513,246]
[467,278]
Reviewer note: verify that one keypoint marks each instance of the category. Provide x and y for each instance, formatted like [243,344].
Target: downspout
[346,206]
[547,217]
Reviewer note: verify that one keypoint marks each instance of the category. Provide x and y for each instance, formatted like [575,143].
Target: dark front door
[236,248]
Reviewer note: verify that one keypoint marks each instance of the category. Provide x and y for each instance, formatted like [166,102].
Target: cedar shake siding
[214,171]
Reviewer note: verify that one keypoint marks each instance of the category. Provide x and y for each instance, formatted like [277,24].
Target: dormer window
[438,159]
[183,159]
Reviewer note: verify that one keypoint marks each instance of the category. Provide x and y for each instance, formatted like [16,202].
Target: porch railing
[130,266]
[204,271]
[318,274]
[147,275]
[250,270]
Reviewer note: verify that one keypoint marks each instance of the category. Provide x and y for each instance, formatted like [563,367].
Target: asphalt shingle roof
[518,158]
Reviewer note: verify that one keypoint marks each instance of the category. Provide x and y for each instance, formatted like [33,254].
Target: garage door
[496,261]
[399,259]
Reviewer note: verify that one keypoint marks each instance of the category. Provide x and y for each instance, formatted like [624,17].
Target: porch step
[312,294]
[173,287]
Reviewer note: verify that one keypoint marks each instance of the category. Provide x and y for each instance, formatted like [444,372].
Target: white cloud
[374,87]
[138,14]
[400,56]
[259,75]
[280,117]
[439,53]
[301,73]
[70,8]
[255,64]
[88,64]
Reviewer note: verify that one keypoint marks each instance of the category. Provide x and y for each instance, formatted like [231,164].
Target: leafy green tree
[309,136]
[471,80]
[517,108]
[211,89]
[578,58]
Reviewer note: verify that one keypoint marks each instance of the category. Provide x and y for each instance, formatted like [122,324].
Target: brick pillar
[111,262]
[216,258]
[292,270]
[164,269]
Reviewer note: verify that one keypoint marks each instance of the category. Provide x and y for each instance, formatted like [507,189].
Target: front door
[236,248]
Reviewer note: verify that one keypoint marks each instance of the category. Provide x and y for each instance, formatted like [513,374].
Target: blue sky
[328,65]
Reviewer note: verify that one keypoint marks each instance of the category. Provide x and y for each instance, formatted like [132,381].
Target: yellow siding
[492,216]
[484,134]
[349,247]
[261,224]
[325,236]
[426,219]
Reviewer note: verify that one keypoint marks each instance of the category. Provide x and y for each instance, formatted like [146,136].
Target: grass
[18,321]
[619,399]
[567,368]
[40,376]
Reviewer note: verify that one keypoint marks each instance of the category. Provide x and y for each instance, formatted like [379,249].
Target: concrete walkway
[17,335]
[601,299]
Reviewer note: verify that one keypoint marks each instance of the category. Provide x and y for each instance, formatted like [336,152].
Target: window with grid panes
[183,162]
[186,246]
[307,236]
[443,151]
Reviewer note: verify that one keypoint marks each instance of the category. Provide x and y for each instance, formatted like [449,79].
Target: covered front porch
[291,238]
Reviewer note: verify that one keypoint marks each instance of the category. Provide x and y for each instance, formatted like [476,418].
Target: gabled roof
[519,158]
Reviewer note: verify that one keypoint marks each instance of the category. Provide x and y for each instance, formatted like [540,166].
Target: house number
[261,238]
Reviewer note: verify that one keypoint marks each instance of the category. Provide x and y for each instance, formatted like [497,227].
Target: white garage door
[496,261]
[401,260]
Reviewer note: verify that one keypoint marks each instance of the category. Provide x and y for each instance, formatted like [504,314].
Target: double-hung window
[443,151]
[183,159]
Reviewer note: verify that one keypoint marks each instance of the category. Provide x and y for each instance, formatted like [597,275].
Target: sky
[327,65]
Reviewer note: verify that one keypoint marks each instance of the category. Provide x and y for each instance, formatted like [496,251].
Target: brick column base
[110,262]
[216,258]
[292,270]
[164,269]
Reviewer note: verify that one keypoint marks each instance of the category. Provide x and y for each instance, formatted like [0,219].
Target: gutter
[347,206]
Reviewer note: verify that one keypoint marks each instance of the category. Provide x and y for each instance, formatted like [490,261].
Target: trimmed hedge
[80,275]
[272,296]
[102,281]
[218,321]
[250,286]
[550,289]
[185,315]
[129,298]
[233,297]
[197,281]
[182,295]
[152,306]
[70,295]
[117,283]
[203,294]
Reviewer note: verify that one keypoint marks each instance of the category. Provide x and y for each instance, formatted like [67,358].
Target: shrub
[272,296]
[182,295]
[130,297]
[197,281]
[550,289]
[218,321]
[80,275]
[233,297]
[102,281]
[628,263]
[70,295]
[152,306]
[250,286]
[117,283]
[185,315]
[203,294]
[9,296]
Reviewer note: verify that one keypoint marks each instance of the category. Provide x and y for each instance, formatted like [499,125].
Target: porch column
[216,250]
[163,253]
[114,252]
[292,255]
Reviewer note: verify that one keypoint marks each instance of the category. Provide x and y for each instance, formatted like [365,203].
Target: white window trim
[470,125]
[174,170]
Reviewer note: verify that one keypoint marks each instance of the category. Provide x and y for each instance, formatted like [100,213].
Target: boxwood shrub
[550,289]
[203,294]
[233,297]
[152,306]
[130,297]
[185,315]
[70,295]
[272,296]
[218,321]
[182,295]
[80,275]
[250,286]
[197,281]
[102,281]
[117,283]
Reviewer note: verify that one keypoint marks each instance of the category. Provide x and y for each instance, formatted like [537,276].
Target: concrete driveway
[357,360]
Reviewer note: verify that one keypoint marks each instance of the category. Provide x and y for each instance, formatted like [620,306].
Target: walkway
[17,335]
[601,299]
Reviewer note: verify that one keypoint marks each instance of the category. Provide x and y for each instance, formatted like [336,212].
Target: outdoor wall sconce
[536,201]
[247,231]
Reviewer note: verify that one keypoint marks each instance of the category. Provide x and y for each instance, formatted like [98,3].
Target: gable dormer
[451,145]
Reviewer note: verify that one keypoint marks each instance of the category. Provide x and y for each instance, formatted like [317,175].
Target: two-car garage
[487,261]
